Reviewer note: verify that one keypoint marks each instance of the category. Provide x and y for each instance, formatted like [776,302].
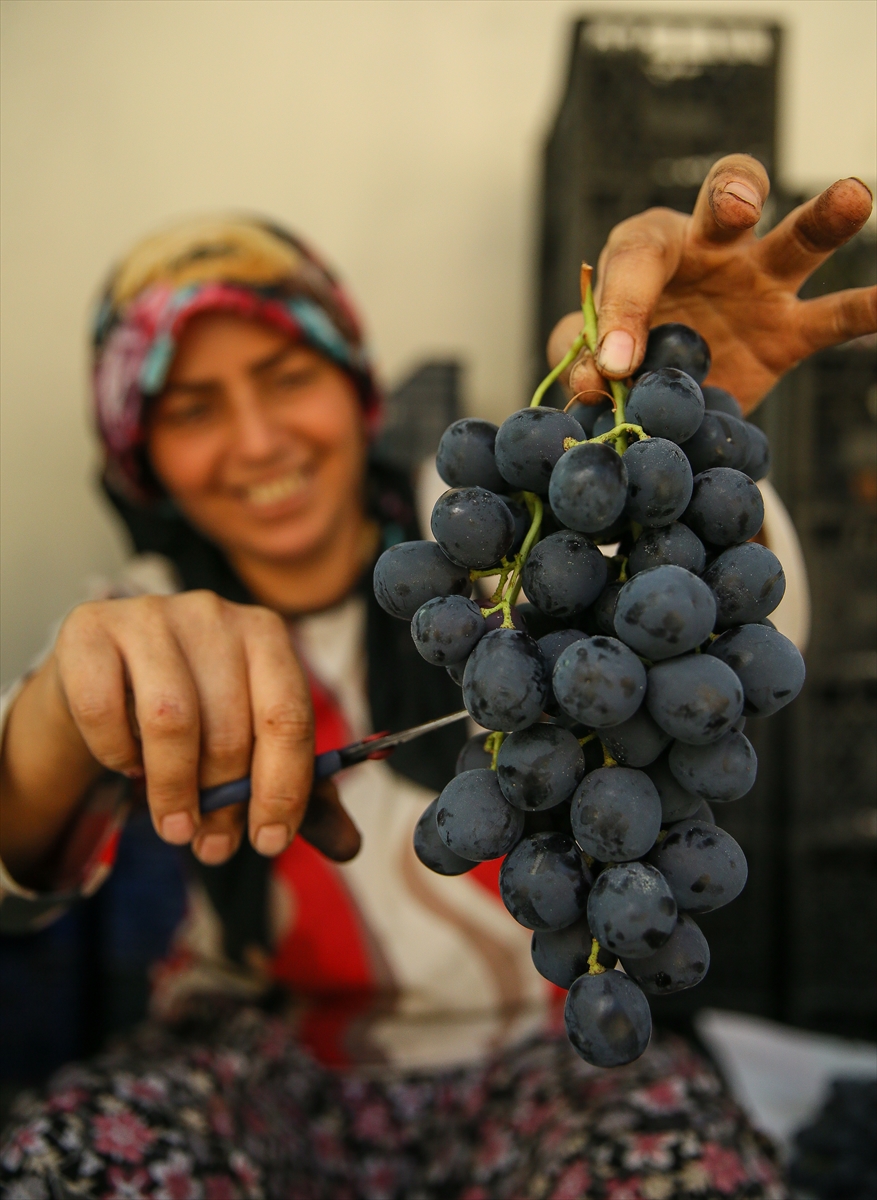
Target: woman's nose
[256,436]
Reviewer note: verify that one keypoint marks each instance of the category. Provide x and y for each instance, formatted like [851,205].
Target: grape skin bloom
[474,527]
[674,545]
[564,574]
[664,611]
[505,683]
[722,771]
[748,583]
[588,488]
[599,682]
[432,851]
[691,700]
[446,629]
[529,443]
[659,482]
[465,456]
[607,1019]
[703,865]
[726,507]
[410,573]
[676,345]
[680,963]
[561,955]
[666,403]
[539,767]
[542,882]
[616,814]
[770,667]
[474,819]
[631,909]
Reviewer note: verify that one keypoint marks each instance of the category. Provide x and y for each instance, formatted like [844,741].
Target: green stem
[594,966]
[565,362]
[534,504]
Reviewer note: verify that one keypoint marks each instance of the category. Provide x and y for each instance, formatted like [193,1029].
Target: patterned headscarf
[235,265]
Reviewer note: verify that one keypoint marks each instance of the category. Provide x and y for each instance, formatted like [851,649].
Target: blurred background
[457,161]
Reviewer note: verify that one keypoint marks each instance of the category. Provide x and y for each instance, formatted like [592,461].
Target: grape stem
[509,585]
[594,967]
[492,744]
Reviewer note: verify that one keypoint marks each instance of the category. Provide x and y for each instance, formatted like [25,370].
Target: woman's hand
[739,292]
[185,691]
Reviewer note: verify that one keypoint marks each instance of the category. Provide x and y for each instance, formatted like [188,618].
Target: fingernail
[214,848]
[856,179]
[616,352]
[134,773]
[271,839]
[743,192]
[177,828]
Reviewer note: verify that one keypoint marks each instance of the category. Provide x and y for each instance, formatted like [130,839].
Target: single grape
[607,1019]
[721,441]
[631,909]
[599,682]
[474,527]
[616,814]
[664,611]
[588,488]
[446,629]
[726,507]
[564,573]
[747,581]
[561,955]
[770,667]
[587,414]
[505,683]
[673,546]
[410,573]
[539,767]
[667,404]
[680,963]
[530,442]
[676,803]
[544,882]
[691,700]
[473,755]
[703,865]
[474,819]
[604,423]
[676,345]
[432,851]
[659,482]
[551,646]
[757,464]
[703,812]
[522,519]
[603,610]
[465,455]
[717,399]
[637,741]
[723,770]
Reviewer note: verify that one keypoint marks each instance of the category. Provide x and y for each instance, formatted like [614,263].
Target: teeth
[276,489]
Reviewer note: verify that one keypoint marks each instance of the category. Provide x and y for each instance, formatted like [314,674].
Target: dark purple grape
[659,482]
[724,770]
[599,682]
[551,646]
[664,611]
[474,527]
[631,910]
[680,963]
[523,520]
[616,814]
[432,851]
[474,819]
[446,629]
[676,345]
[539,767]
[748,583]
[676,803]
[721,441]
[726,507]
[564,573]
[588,488]
[691,700]
[604,423]
[757,464]
[505,683]
[702,813]
[410,573]
[603,610]
[667,404]
[637,741]
[770,667]
[457,671]
[530,442]
[607,1019]
[561,955]
[675,545]
[544,882]
[703,865]
[465,455]
[536,623]
[473,756]
[717,399]
[587,414]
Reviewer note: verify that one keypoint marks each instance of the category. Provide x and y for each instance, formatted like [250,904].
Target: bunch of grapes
[617,695]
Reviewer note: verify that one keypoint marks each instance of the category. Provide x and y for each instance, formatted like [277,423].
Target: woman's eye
[190,413]
[291,380]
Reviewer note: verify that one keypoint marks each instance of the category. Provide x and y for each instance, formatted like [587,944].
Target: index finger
[283,757]
[730,199]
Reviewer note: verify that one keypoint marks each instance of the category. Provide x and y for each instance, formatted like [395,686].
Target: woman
[235,402]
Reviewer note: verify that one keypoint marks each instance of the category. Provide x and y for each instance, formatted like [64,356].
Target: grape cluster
[617,695]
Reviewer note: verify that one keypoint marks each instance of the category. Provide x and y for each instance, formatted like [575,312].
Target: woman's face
[260,441]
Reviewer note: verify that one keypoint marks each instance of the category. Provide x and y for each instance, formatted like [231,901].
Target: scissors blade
[374,745]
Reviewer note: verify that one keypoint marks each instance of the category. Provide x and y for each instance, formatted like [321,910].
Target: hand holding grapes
[711,272]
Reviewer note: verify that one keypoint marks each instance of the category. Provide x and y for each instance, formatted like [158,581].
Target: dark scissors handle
[237,791]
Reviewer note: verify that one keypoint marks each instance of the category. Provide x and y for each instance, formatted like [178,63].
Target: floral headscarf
[236,265]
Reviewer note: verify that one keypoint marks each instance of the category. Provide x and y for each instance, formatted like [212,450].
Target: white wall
[401,136]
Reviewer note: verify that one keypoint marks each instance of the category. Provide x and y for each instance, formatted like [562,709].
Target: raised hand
[185,691]
[738,291]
